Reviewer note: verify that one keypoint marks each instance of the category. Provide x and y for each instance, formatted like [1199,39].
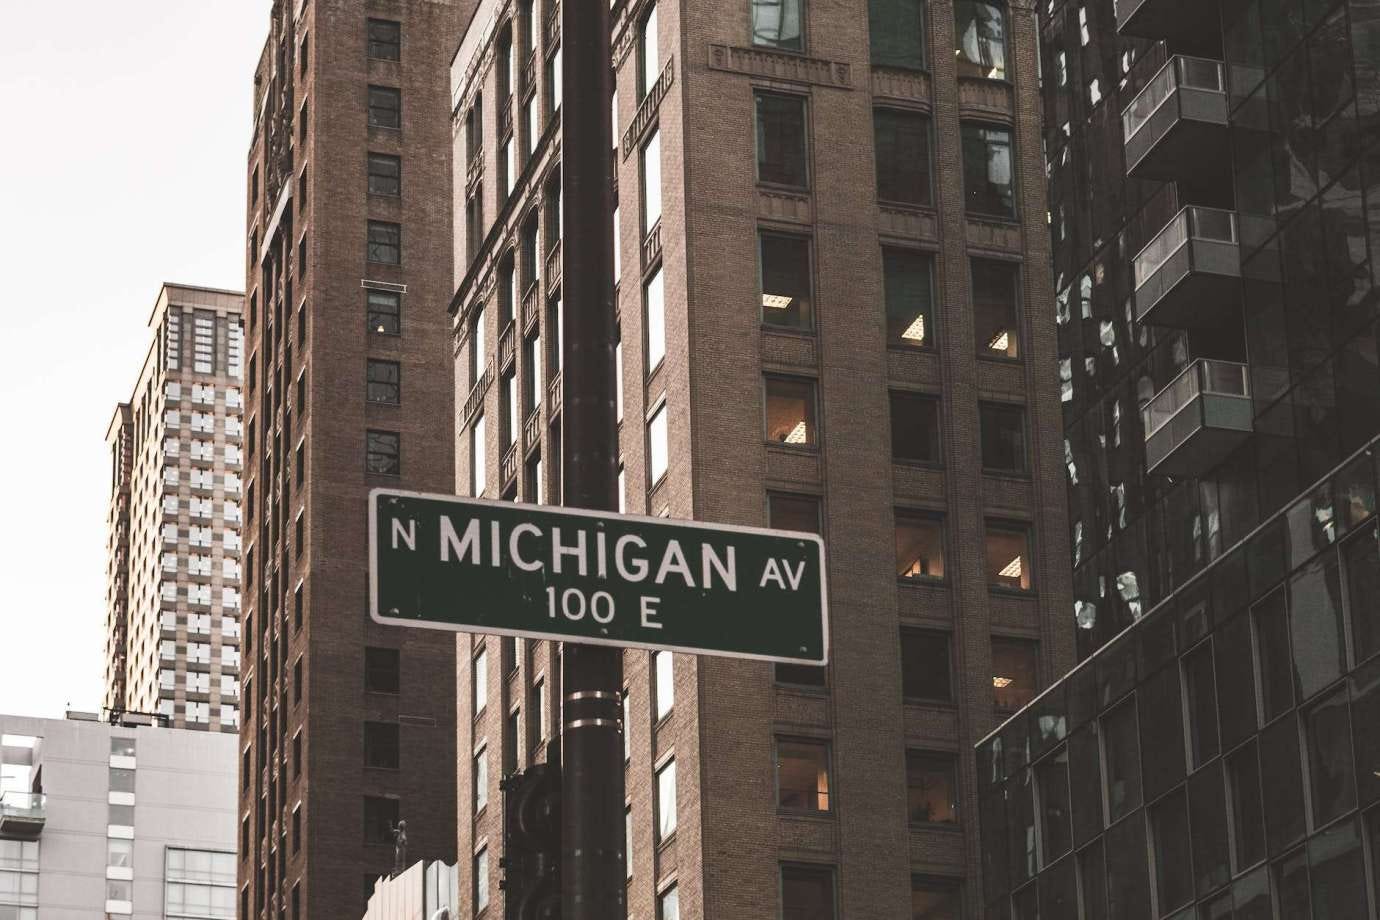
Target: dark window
[980,39]
[1362,558]
[297,754]
[778,24]
[382,453]
[1160,703]
[897,33]
[908,278]
[786,280]
[902,141]
[1055,828]
[807,893]
[1365,711]
[385,39]
[380,817]
[988,183]
[925,665]
[384,382]
[1202,704]
[781,148]
[791,411]
[793,512]
[1315,615]
[931,788]
[1243,779]
[297,678]
[384,309]
[1173,873]
[1085,782]
[1235,681]
[385,175]
[1282,778]
[1336,866]
[935,899]
[1272,645]
[1331,768]
[1092,870]
[1291,885]
[1209,823]
[919,547]
[385,107]
[1121,754]
[296,829]
[385,243]
[121,780]
[123,815]
[995,315]
[1014,672]
[1007,549]
[802,775]
[1003,438]
[382,670]
[381,742]
[914,428]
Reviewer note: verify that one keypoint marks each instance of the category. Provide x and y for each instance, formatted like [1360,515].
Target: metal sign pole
[593,876]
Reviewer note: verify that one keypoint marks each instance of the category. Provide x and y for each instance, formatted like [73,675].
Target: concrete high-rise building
[117,819]
[173,581]
[836,315]
[349,726]
[1215,207]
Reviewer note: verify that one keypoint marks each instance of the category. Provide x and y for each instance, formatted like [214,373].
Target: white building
[425,891]
[101,820]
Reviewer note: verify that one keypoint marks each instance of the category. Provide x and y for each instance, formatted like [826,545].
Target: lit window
[931,790]
[785,280]
[802,775]
[919,547]
[1008,557]
[909,291]
[1014,663]
[791,411]
[384,310]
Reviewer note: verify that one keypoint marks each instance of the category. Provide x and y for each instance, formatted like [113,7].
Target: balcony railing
[651,246]
[507,346]
[1191,271]
[530,300]
[1177,123]
[553,394]
[509,464]
[531,430]
[22,814]
[476,397]
[553,266]
[1195,422]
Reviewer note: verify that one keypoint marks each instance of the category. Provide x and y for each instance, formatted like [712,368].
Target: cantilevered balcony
[1198,420]
[1182,23]
[1189,275]
[1177,124]
[22,814]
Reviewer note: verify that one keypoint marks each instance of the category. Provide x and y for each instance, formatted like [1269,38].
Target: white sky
[126,126]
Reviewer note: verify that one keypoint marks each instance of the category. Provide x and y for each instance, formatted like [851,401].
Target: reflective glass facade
[1219,759]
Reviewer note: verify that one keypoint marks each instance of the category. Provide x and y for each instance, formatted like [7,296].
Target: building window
[914,428]
[203,343]
[666,801]
[1014,670]
[479,681]
[931,788]
[897,33]
[782,157]
[385,243]
[1003,438]
[510,418]
[935,899]
[1121,757]
[800,513]
[384,309]
[658,447]
[382,670]
[777,24]
[925,665]
[385,107]
[382,453]
[1200,704]
[980,39]
[481,779]
[385,40]
[995,316]
[919,547]
[380,817]
[478,457]
[791,411]
[648,53]
[988,182]
[908,279]
[807,893]
[785,280]
[1007,549]
[385,175]
[481,880]
[199,883]
[668,904]
[381,743]
[802,775]
[664,686]
[383,382]
[651,181]
[654,296]
[903,156]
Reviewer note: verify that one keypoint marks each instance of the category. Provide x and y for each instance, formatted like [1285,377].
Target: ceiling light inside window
[1001,341]
[798,434]
[1001,683]
[1012,570]
[915,332]
[777,301]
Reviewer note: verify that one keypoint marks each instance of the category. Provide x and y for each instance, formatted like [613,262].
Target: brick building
[835,314]
[173,575]
[348,726]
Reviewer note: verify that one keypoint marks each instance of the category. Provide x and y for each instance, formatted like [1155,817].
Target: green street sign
[544,572]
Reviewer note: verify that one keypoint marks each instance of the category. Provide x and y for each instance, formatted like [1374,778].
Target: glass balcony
[1189,275]
[1198,420]
[1181,23]
[22,814]
[1178,123]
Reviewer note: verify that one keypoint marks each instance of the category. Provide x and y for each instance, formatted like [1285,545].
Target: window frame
[1011,526]
[373,247]
[827,747]
[373,43]
[369,435]
[1014,216]
[1017,313]
[373,157]
[917,396]
[802,16]
[394,94]
[928,119]
[923,514]
[816,436]
[831,869]
[370,312]
[807,167]
[371,364]
[807,241]
[1022,472]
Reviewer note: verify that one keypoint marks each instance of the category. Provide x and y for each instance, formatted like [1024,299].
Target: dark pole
[592,858]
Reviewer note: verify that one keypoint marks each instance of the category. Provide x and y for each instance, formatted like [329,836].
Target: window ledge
[665,843]
[997,359]
[943,705]
[917,464]
[999,591]
[1007,474]
[812,691]
[808,449]
[819,817]
[794,332]
[937,827]
[905,582]
[780,187]
[914,206]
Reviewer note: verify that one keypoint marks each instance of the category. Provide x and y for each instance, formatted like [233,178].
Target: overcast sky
[121,166]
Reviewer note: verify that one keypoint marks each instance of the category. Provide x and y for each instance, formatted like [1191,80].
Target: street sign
[544,572]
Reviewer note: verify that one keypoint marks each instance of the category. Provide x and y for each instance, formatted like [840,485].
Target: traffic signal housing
[531,859]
